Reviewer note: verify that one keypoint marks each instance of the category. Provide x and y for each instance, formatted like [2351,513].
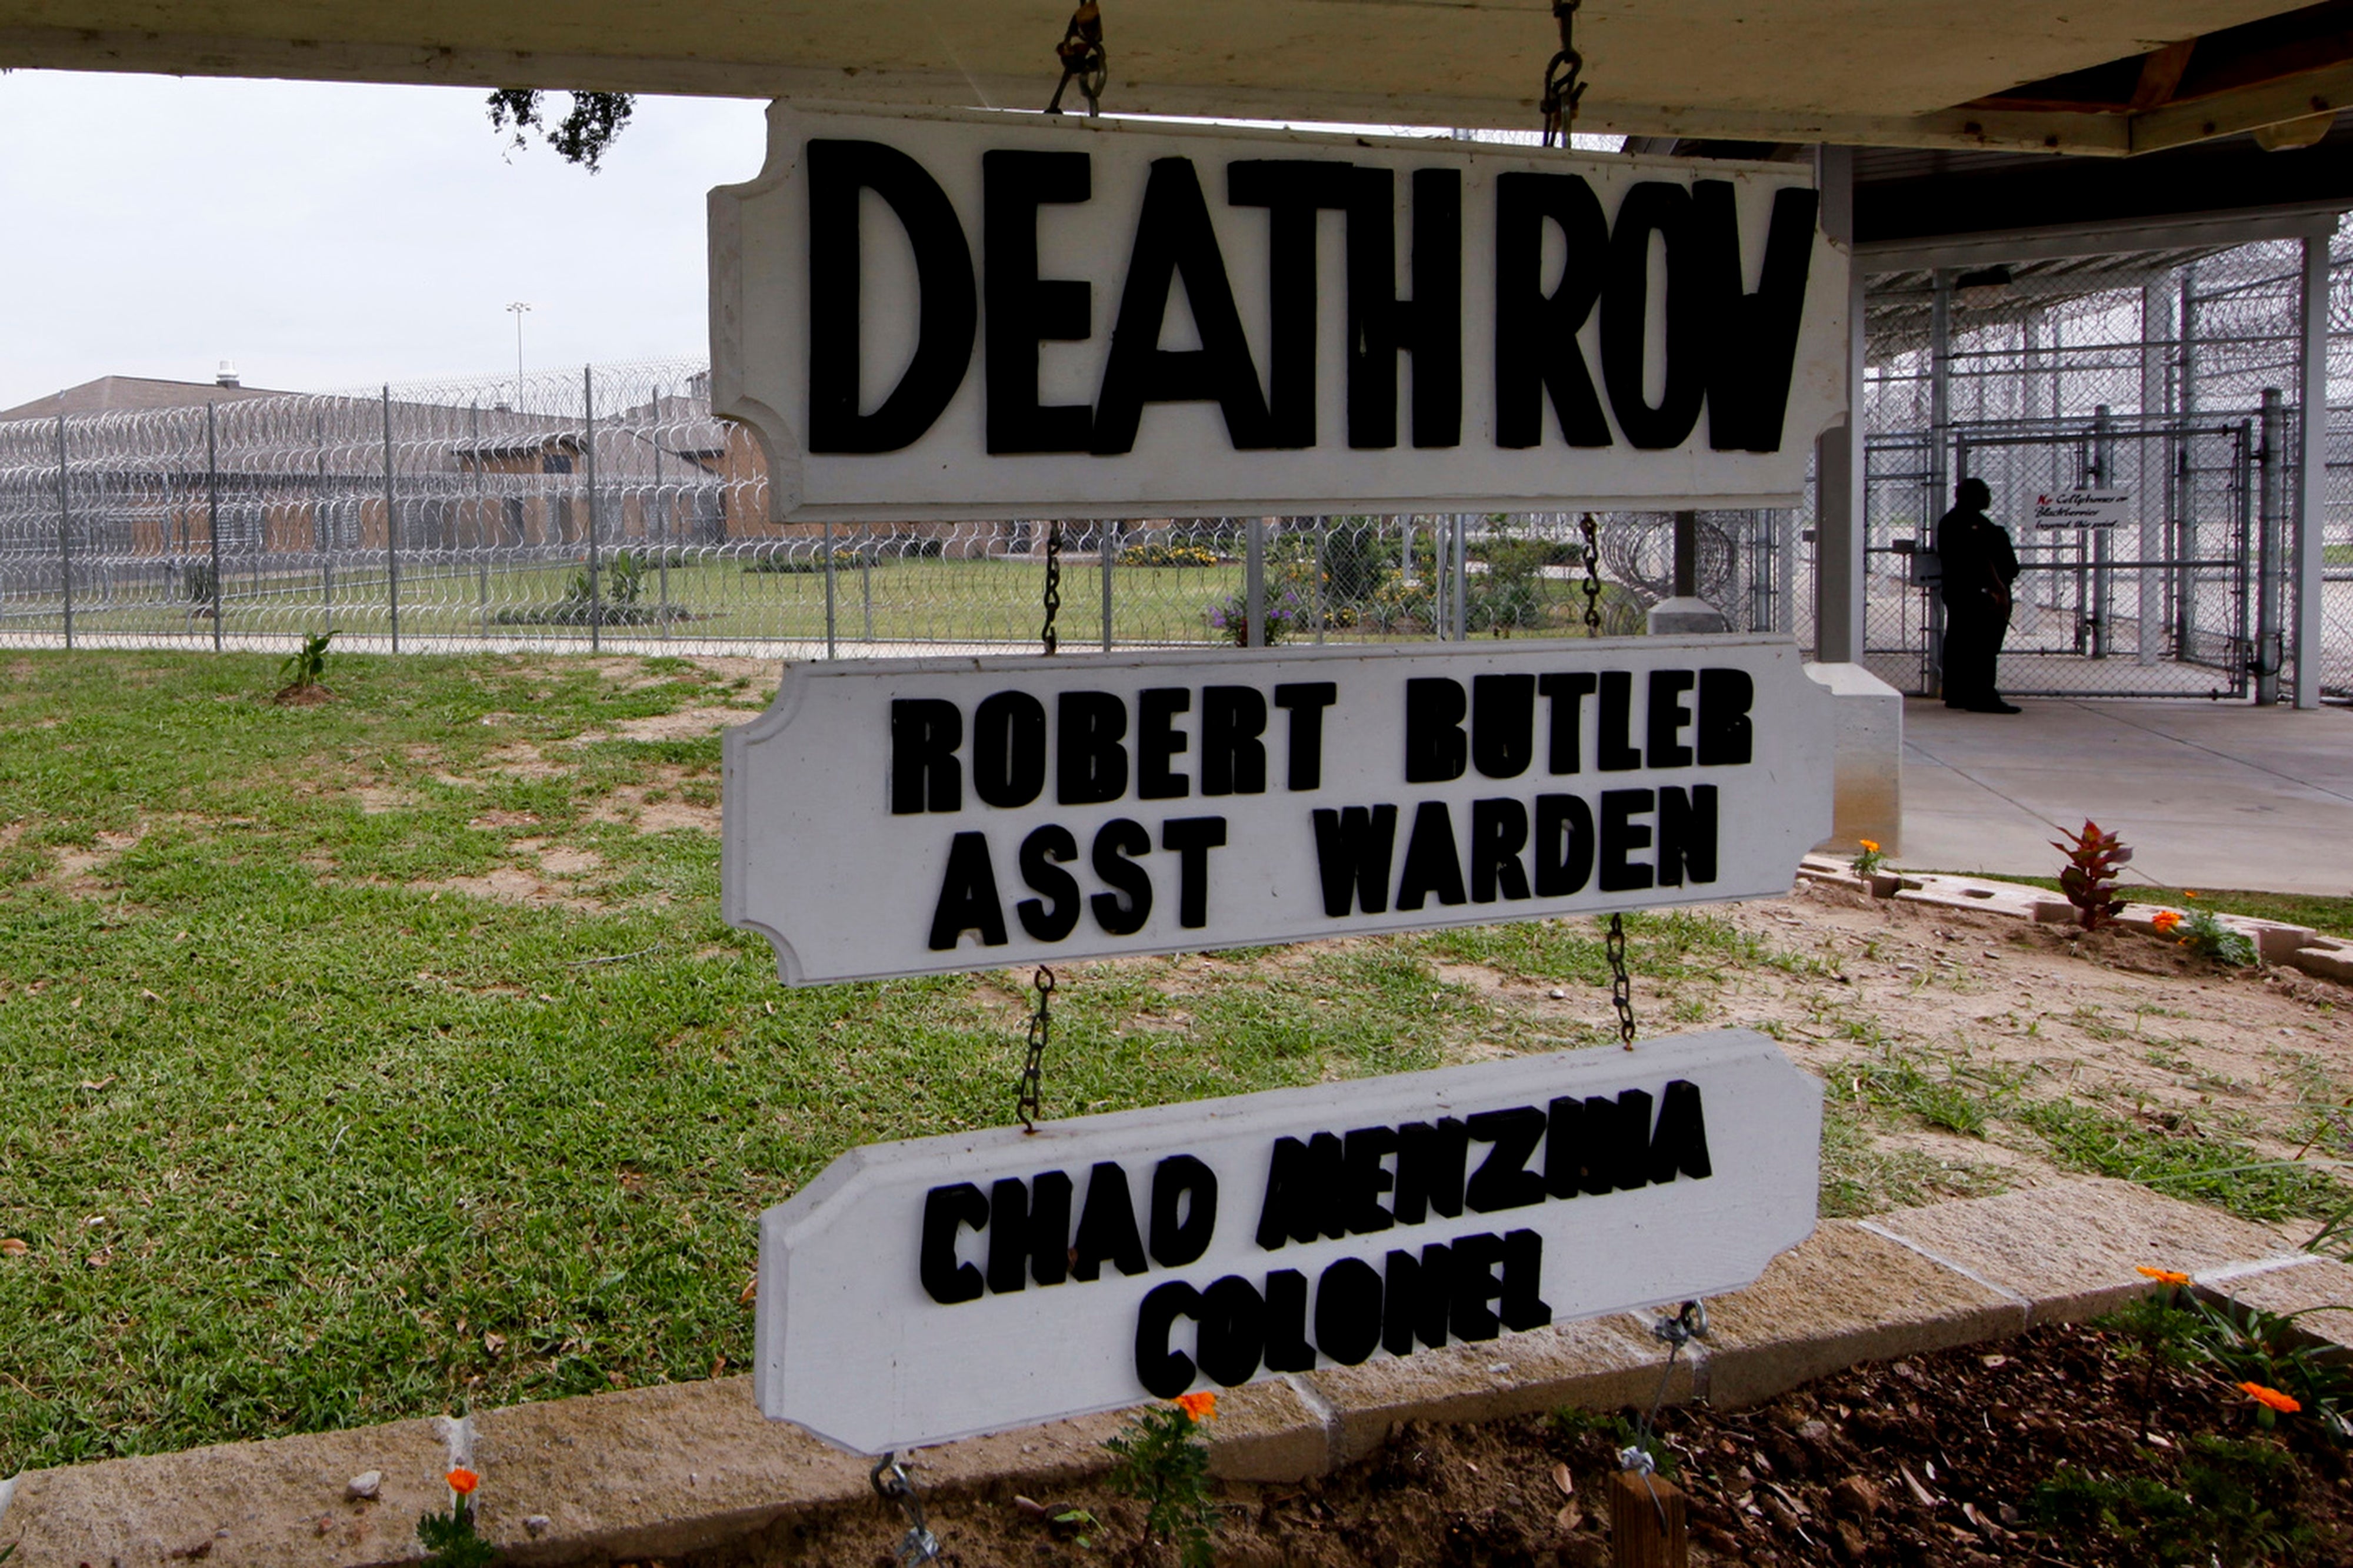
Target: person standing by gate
[1979,566]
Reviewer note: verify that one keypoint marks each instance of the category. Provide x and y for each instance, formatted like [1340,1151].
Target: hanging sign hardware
[893,1485]
[1563,86]
[1082,59]
[1622,986]
[1027,1102]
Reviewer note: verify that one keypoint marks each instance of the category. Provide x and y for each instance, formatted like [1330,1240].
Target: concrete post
[2312,474]
[2270,524]
[1839,584]
[1686,612]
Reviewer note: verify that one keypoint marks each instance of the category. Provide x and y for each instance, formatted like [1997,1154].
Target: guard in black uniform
[1979,565]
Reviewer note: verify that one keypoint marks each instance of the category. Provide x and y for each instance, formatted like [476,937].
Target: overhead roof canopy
[2107,76]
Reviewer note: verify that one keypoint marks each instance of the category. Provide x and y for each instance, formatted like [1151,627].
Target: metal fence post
[2271,454]
[826,537]
[65,533]
[1254,584]
[588,463]
[2103,465]
[2312,474]
[212,514]
[391,528]
[1462,575]
[669,530]
[482,510]
[1316,575]
[1107,541]
[320,525]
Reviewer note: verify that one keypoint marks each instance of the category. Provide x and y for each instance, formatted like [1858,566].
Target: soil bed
[1930,1462]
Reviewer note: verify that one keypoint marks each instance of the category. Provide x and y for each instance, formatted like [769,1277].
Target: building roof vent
[227,377]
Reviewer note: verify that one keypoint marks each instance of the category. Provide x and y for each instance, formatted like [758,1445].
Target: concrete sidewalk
[2208,795]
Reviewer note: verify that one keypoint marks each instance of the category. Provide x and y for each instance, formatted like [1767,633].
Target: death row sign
[906,819]
[1183,319]
[1232,1239]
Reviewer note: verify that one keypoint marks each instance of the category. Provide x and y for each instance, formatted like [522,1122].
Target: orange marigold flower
[2188,892]
[2285,1404]
[1868,845]
[1202,1406]
[2162,1276]
[463,1481]
[2165,921]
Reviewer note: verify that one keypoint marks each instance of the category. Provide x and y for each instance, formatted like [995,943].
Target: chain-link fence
[607,509]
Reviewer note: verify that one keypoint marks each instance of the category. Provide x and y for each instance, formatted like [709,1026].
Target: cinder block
[1848,1295]
[279,1504]
[2070,1248]
[2012,899]
[1595,1364]
[2318,1290]
[2328,960]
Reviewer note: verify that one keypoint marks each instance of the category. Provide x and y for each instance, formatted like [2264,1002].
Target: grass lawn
[389,1057]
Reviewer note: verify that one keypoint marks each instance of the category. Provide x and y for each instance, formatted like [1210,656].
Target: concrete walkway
[2208,795]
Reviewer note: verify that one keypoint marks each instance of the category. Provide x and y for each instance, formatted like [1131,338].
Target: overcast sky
[330,236]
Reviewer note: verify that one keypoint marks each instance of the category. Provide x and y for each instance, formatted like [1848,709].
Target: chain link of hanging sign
[1563,83]
[1622,985]
[893,1485]
[1025,1103]
[1083,61]
[1053,597]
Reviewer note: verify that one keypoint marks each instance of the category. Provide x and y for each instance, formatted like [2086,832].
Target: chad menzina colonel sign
[936,315]
[918,817]
[926,1290]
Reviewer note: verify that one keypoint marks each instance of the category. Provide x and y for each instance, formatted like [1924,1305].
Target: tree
[584,135]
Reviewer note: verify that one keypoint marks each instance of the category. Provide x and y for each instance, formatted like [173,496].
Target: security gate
[2139,582]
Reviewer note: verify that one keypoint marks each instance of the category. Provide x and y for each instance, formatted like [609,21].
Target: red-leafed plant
[2089,878]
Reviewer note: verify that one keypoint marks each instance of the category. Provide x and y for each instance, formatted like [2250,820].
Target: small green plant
[1153,553]
[2232,1502]
[2162,1330]
[1159,1460]
[2203,934]
[2089,877]
[303,670]
[1230,616]
[1614,1430]
[1867,863]
[450,1536]
[1078,1526]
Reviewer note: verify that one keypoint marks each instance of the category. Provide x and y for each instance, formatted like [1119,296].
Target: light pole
[515,309]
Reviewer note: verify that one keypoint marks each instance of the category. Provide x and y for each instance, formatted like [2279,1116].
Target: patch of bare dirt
[310,696]
[561,861]
[377,799]
[658,805]
[686,724]
[504,819]
[510,885]
[522,761]
[79,869]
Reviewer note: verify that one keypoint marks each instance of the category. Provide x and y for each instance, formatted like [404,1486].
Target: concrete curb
[2278,942]
[658,1471]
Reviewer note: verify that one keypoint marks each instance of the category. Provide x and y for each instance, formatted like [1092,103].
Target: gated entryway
[2174,590]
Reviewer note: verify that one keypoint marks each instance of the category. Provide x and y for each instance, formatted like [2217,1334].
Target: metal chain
[1622,986]
[1083,59]
[893,1485]
[1562,86]
[1026,1103]
[1053,600]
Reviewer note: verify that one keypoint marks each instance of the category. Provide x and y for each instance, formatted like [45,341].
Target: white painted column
[2310,505]
[1839,584]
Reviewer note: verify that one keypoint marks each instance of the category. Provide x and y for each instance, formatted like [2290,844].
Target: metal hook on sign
[1563,88]
[893,1485]
[1083,58]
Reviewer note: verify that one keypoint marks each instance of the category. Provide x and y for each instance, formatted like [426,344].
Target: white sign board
[939,1288]
[890,817]
[969,315]
[2083,508]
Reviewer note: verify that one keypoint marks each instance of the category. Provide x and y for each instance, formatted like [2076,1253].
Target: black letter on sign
[1503,1180]
[1618,1142]
[1567,691]
[1158,741]
[1654,206]
[1475,1285]
[1184,1210]
[838,171]
[1686,835]
[1173,237]
[1306,699]
[1667,718]
[1367,1179]
[947,1210]
[924,773]
[1431,863]
[1122,911]
[1679,1145]
[1039,854]
[1757,334]
[1107,1231]
[1306,1192]
[1435,750]
[1352,857]
[968,896]
[1429,326]
[1724,733]
[1023,307]
[1565,1147]
[1564,844]
[1233,755]
[1028,1231]
[1499,831]
[1292,190]
[1090,764]
[1008,749]
[1620,837]
[1233,1331]
[1287,1349]
[1523,1309]
[1165,1373]
[1348,1311]
[1613,738]
[1502,724]
[1419,1298]
[1192,837]
[1537,352]
[1430,1170]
